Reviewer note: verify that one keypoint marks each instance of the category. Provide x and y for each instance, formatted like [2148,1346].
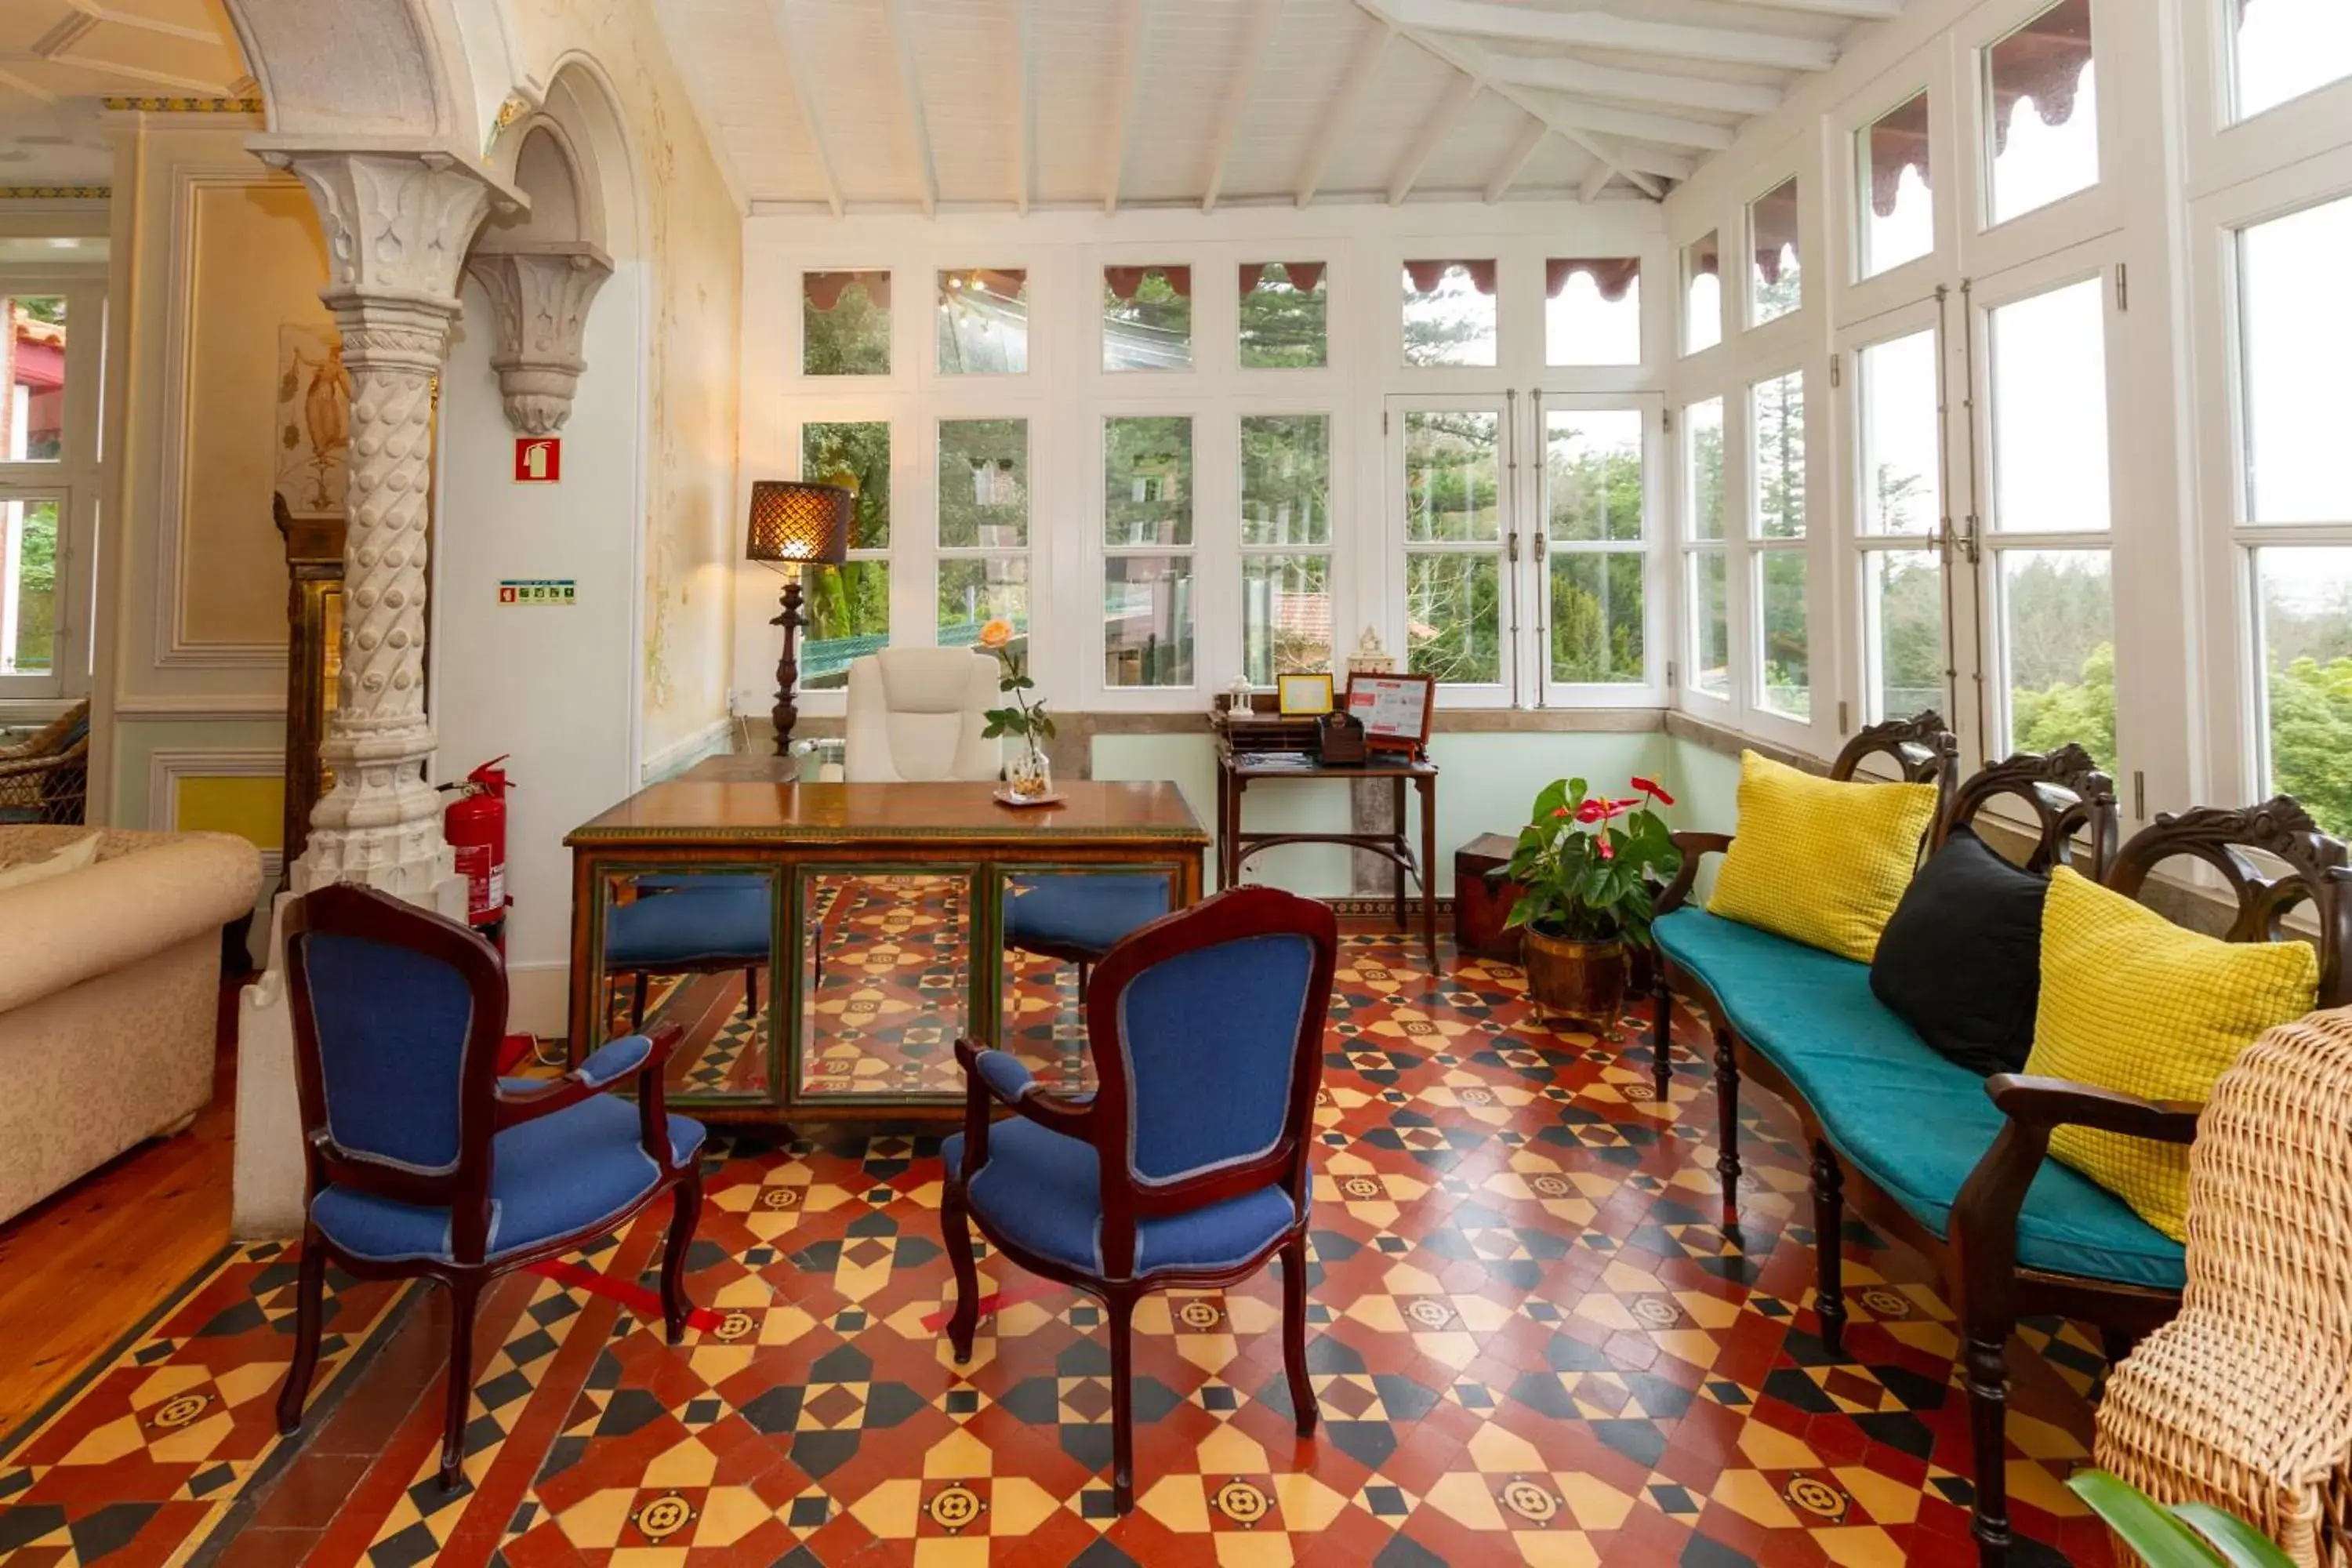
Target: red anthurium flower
[1593,810]
[1608,850]
[1650,787]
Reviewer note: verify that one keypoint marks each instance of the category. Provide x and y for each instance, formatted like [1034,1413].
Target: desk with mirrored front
[822,946]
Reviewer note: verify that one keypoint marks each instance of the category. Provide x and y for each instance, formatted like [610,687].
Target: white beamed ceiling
[920,105]
[59,59]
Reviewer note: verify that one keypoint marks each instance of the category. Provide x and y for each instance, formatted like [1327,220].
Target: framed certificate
[1304,696]
[1394,710]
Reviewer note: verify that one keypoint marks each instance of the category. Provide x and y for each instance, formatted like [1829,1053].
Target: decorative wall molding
[252,106]
[167,766]
[540,294]
[57,193]
[200,709]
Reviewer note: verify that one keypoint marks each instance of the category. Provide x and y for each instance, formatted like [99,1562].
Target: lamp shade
[795,520]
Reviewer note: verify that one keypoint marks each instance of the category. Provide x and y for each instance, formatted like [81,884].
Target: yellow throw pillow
[1820,862]
[2132,1002]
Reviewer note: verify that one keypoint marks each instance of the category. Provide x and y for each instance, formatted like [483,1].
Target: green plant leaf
[2240,1543]
[2161,1539]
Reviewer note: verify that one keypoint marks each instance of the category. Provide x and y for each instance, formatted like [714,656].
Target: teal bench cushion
[1908,1119]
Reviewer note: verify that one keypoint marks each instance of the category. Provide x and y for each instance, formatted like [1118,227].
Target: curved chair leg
[956,1231]
[1294,1334]
[1984,1350]
[752,993]
[687,1208]
[463,1295]
[1662,1023]
[1122,1401]
[638,1006]
[1828,1248]
[310,1297]
[1727,1120]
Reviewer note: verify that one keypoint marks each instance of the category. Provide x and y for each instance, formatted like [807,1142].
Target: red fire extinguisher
[476,827]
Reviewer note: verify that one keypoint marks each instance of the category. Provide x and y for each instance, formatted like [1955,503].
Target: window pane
[1453,617]
[1776,283]
[2297,338]
[1898,211]
[2049,386]
[1286,615]
[1788,662]
[2306,630]
[845,323]
[974,592]
[33,413]
[1449,312]
[1901,435]
[1710,601]
[2046,110]
[1905,603]
[848,616]
[983,484]
[2058,639]
[984,321]
[1147,318]
[856,457]
[1702,294]
[1592,474]
[1148,620]
[28,586]
[1286,479]
[1777,424]
[1284,307]
[1147,482]
[1452,471]
[1703,460]
[1596,616]
[1592,311]
[2287,47]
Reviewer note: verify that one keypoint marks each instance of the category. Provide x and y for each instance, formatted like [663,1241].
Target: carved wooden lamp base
[788,669]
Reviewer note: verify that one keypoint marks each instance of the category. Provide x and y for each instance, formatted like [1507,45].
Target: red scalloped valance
[1612,275]
[823,289]
[1302,275]
[1898,142]
[1123,281]
[1427,275]
[2044,61]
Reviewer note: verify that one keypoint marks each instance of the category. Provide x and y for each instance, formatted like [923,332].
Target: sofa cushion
[1820,862]
[82,852]
[2132,1002]
[1961,961]
[1908,1119]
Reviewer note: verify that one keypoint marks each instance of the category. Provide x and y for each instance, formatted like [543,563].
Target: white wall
[554,687]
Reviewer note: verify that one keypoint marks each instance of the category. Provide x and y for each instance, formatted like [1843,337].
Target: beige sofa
[110,988]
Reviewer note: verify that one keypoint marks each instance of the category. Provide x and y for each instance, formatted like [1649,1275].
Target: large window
[849,604]
[1148,552]
[1900,492]
[1783,633]
[2281,49]
[983,528]
[2043,98]
[2295,499]
[51,343]
[1595,519]
[1705,567]
[1453,502]
[1286,502]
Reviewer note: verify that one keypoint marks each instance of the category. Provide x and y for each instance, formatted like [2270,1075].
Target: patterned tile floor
[1530,1342]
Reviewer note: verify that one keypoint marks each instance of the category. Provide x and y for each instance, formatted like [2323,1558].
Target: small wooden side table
[1236,772]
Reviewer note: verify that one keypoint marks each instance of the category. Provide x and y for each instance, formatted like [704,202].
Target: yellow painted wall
[252,808]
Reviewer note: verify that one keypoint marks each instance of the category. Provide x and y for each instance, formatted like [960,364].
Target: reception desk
[822,946]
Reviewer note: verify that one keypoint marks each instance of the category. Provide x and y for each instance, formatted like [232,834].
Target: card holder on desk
[1339,740]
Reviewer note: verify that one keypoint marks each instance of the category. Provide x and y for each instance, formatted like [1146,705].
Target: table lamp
[796,524]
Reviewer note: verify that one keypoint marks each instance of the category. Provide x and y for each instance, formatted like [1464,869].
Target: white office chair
[916,715]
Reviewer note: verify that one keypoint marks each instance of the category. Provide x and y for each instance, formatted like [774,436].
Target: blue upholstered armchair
[1078,916]
[421,1161]
[704,924]
[1142,1186]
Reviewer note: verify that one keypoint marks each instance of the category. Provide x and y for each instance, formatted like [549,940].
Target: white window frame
[1653,545]
[1752,550]
[75,480]
[1270,406]
[1505,549]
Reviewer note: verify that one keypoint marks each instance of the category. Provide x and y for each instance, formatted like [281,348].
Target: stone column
[397,225]
[540,293]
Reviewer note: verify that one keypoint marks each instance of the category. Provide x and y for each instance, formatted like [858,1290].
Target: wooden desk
[1235,775]
[818,844]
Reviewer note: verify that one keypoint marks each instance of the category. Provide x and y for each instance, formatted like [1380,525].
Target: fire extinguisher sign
[539,461]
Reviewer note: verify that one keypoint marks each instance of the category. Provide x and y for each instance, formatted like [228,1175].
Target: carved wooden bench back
[2067,793]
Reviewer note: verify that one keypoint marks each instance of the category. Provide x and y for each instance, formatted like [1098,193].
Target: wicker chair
[45,778]
[2244,1400]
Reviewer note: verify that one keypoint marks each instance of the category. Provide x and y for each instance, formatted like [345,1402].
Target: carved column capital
[540,293]
[397,223]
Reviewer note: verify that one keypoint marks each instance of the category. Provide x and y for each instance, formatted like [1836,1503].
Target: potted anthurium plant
[1588,867]
[1028,776]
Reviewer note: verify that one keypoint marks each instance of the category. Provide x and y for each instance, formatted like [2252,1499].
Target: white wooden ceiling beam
[926,166]
[1859,10]
[1665,128]
[1122,120]
[1371,48]
[194,84]
[38,95]
[1602,30]
[1025,41]
[147,24]
[1434,132]
[1562,74]
[804,98]
[1246,69]
[1596,179]
[1523,147]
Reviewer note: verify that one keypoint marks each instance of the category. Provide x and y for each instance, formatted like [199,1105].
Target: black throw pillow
[1961,961]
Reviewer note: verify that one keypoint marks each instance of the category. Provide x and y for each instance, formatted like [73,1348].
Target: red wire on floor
[639,1300]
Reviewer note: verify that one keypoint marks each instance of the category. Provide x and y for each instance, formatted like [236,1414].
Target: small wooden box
[1481,905]
[1339,740]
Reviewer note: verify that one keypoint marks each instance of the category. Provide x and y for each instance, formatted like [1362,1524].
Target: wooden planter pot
[1576,979]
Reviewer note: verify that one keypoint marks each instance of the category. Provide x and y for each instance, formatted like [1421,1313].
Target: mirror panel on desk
[695,946]
[1056,920]
[887,979]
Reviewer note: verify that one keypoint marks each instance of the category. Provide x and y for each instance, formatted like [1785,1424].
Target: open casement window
[1450,493]
[1896,408]
[49,479]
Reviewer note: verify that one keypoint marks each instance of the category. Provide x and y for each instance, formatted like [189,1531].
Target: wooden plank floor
[81,1269]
